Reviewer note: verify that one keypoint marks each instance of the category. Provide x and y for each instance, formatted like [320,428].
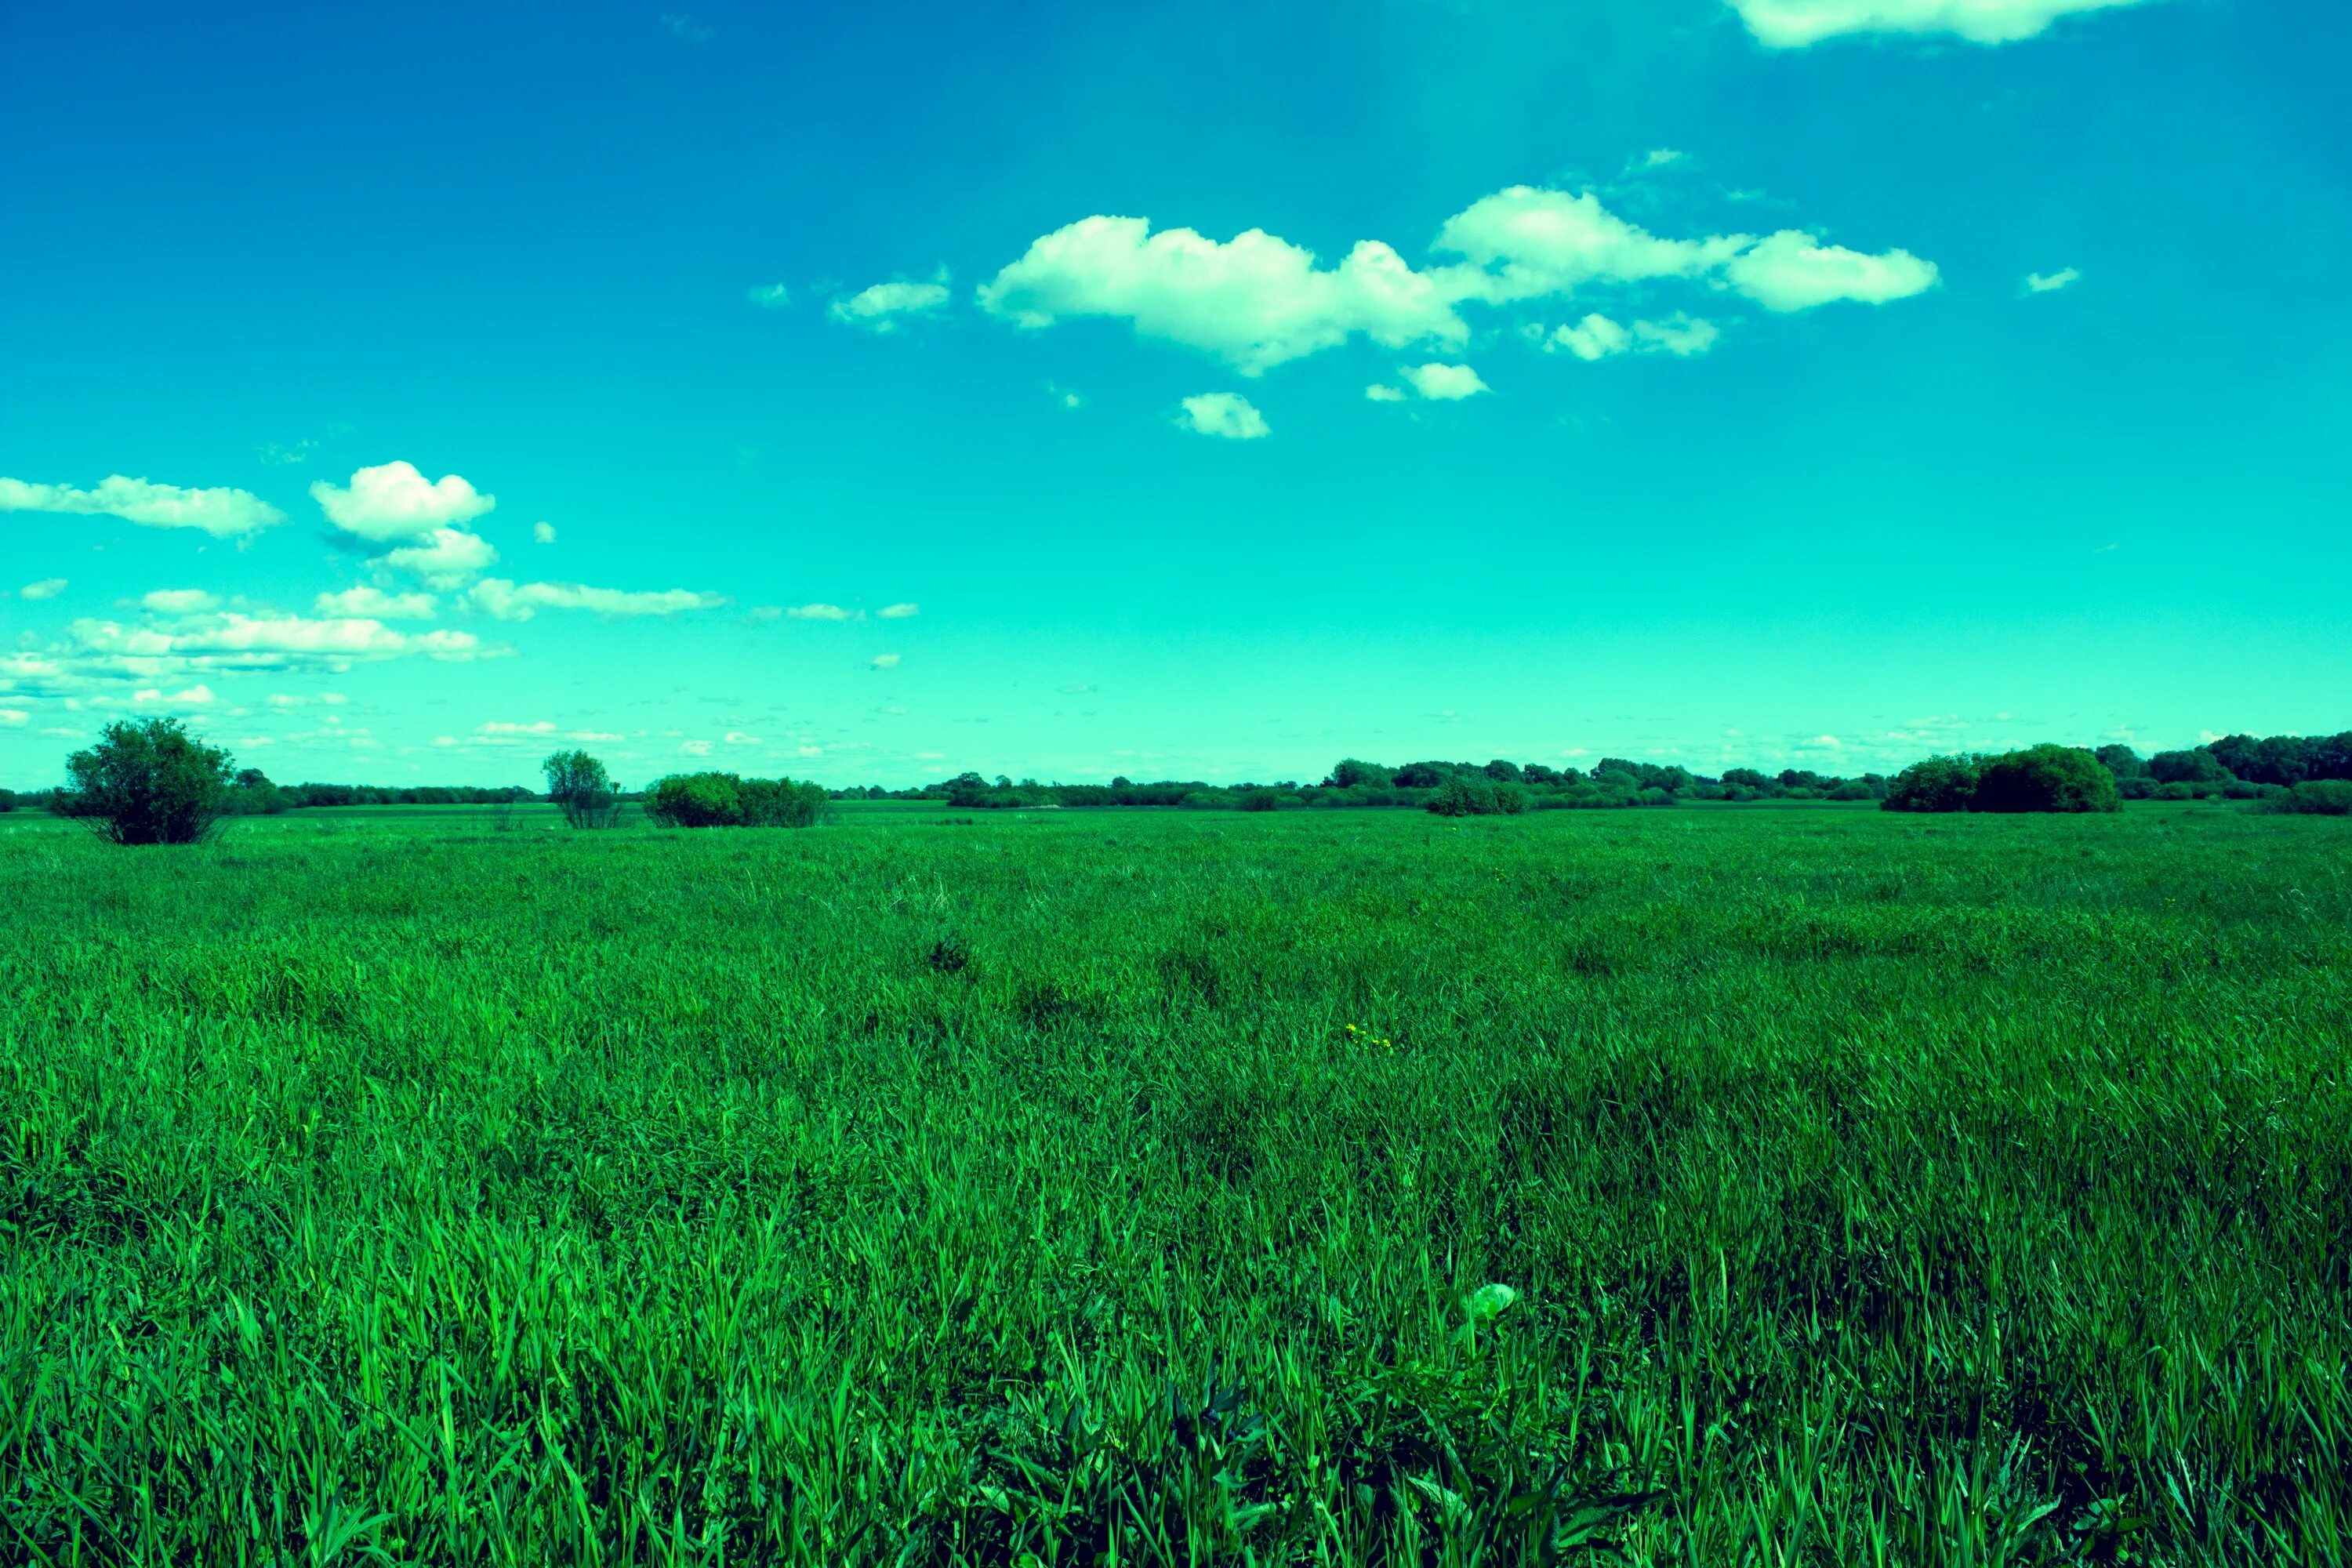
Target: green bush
[730,800]
[147,781]
[782,803]
[582,790]
[1936,783]
[2192,765]
[2315,798]
[2045,778]
[1853,789]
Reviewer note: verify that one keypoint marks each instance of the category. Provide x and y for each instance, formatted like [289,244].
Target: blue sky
[1821,382]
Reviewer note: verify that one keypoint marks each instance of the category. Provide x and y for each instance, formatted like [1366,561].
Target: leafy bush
[730,800]
[7,800]
[148,781]
[1936,783]
[2315,798]
[2045,778]
[1852,789]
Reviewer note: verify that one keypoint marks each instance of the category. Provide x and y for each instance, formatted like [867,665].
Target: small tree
[582,790]
[147,781]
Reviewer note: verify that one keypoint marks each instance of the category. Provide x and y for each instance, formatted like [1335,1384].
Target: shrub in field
[7,800]
[2315,798]
[582,790]
[2044,778]
[728,800]
[1468,795]
[1937,783]
[148,781]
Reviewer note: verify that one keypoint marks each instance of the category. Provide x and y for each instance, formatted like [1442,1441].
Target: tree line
[152,782]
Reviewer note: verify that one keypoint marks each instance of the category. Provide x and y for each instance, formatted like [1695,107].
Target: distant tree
[1121,780]
[7,800]
[1934,783]
[1503,771]
[2122,761]
[148,781]
[1745,778]
[2044,778]
[1353,773]
[581,789]
[1423,776]
[2194,765]
[1800,778]
[1540,774]
[1462,796]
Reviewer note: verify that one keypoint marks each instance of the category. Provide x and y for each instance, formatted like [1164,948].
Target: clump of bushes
[730,800]
[2314,797]
[1463,795]
[2045,778]
[147,781]
[2039,778]
[582,790]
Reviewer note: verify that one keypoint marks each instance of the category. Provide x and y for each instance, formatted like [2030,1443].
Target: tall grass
[1867,1190]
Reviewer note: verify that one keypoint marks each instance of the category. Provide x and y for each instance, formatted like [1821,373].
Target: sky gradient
[1195,390]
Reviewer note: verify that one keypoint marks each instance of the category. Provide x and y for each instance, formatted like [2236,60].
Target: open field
[1873,1189]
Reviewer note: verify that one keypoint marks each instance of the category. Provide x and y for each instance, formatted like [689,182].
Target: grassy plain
[1871,1189]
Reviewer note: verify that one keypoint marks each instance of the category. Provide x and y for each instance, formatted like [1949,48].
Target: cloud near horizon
[223,513]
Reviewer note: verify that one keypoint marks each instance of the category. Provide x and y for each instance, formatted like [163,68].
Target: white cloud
[1661,158]
[198,695]
[2051,282]
[1254,301]
[13,716]
[542,533]
[237,641]
[1257,300]
[448,558]
[695,748]
[47,588]
[1791,271]
[519,602]
[686,28]
[737,738]
[879,308]
[899,612]
[392,502]
[1597,337]
[1225,414]
[1443,382]
[884,662]
[823,612]
[223,513]
[1379,392]
[1795,24]
[1064,398]
[178,601]
[771,296]
[495,727]
[375,602]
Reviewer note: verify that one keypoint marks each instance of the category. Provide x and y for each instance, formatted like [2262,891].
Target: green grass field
[1070,1187]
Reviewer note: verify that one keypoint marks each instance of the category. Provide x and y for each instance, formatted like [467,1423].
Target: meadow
[1710,1185]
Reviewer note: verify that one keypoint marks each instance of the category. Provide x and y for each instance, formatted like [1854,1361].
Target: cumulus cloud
[1796,24]
[198,696]
[375,602]
[1660,158]
[447,558]
[392,502]
[884,662]
[520,600]
[178,601]
[2051,282]
[539,727]
[223,513]
[542,533]
[879,309]
[47,588]
[822,612]
[157,650]
[1792,271]
[1598,337]
[1225,414]
[1380,392]
[1256,300]
[14,716]
[1443,382]
[899,612]
[771,296]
